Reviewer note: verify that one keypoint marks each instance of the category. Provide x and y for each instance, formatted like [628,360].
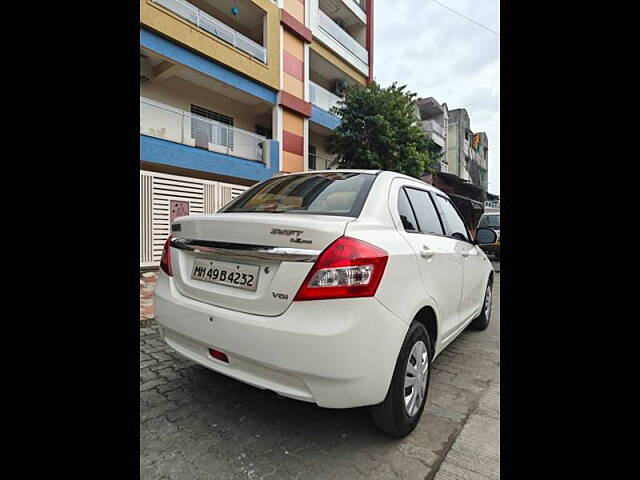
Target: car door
[475,263]
[440,265]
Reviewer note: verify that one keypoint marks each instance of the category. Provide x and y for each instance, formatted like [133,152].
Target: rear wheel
[402,408]
[482,321]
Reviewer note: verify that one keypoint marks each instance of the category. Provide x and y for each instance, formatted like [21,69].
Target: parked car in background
[334,287]
[491,220]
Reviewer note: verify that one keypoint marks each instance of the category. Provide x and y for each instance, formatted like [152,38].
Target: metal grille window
[205,132]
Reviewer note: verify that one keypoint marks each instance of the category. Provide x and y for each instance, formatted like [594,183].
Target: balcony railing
[214,26]
[342,37]
[320,162]
[321,97]
[169,123]
[433,126]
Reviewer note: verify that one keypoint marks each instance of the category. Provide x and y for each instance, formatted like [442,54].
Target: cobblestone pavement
[197,424]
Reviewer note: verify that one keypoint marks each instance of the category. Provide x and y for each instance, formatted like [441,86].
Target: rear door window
[425,211]
[457,228]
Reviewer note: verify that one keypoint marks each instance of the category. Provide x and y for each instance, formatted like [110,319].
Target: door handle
[465,254]
[426,253]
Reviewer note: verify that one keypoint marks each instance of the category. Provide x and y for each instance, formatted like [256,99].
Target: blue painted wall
[164,152]
[323,118]
[192,60]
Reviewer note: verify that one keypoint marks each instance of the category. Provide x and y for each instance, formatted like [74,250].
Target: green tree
[379,130]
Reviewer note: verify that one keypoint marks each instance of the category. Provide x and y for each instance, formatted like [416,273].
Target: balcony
[435,131]
[320,162]
[178,126]
[343,38]
[215,27]
[433,126]
[321,97]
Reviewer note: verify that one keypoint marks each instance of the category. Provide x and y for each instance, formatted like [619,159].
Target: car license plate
[236,275]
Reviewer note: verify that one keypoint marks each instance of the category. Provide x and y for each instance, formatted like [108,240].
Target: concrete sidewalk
[475,454]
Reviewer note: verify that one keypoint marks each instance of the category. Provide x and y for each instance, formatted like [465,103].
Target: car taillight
[347,268]
[165,260]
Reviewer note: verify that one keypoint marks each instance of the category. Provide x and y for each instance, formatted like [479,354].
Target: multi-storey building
[236,91]
[468,152]
[434,119]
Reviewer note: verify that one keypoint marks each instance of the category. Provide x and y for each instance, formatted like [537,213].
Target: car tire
[481,322]
[392,416]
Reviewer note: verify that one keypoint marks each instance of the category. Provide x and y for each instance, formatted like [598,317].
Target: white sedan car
[335,287]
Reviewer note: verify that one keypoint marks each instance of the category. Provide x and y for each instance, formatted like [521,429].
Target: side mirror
[485,236]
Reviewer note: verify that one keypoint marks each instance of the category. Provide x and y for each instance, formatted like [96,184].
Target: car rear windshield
[327,193]
[490,221]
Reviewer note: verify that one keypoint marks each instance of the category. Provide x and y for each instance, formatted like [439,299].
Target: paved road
[197,424]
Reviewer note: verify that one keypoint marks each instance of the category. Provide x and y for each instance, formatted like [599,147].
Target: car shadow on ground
[243,407]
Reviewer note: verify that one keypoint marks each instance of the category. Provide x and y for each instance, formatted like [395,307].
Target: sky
[439,54]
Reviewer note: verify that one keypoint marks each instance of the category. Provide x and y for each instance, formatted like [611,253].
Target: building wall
[458,124]
[453,150]
[296,110]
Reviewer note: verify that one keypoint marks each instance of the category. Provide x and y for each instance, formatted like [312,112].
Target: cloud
[439,54]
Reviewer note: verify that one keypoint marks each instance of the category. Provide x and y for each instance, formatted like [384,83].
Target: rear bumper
[335,353]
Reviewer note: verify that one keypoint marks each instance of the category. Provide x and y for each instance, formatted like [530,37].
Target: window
[337,193]
[452,217]
[425,211]
[406,214]
[210,114]
[205,132]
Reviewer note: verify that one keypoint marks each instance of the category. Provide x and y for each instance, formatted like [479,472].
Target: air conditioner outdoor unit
[146,72]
